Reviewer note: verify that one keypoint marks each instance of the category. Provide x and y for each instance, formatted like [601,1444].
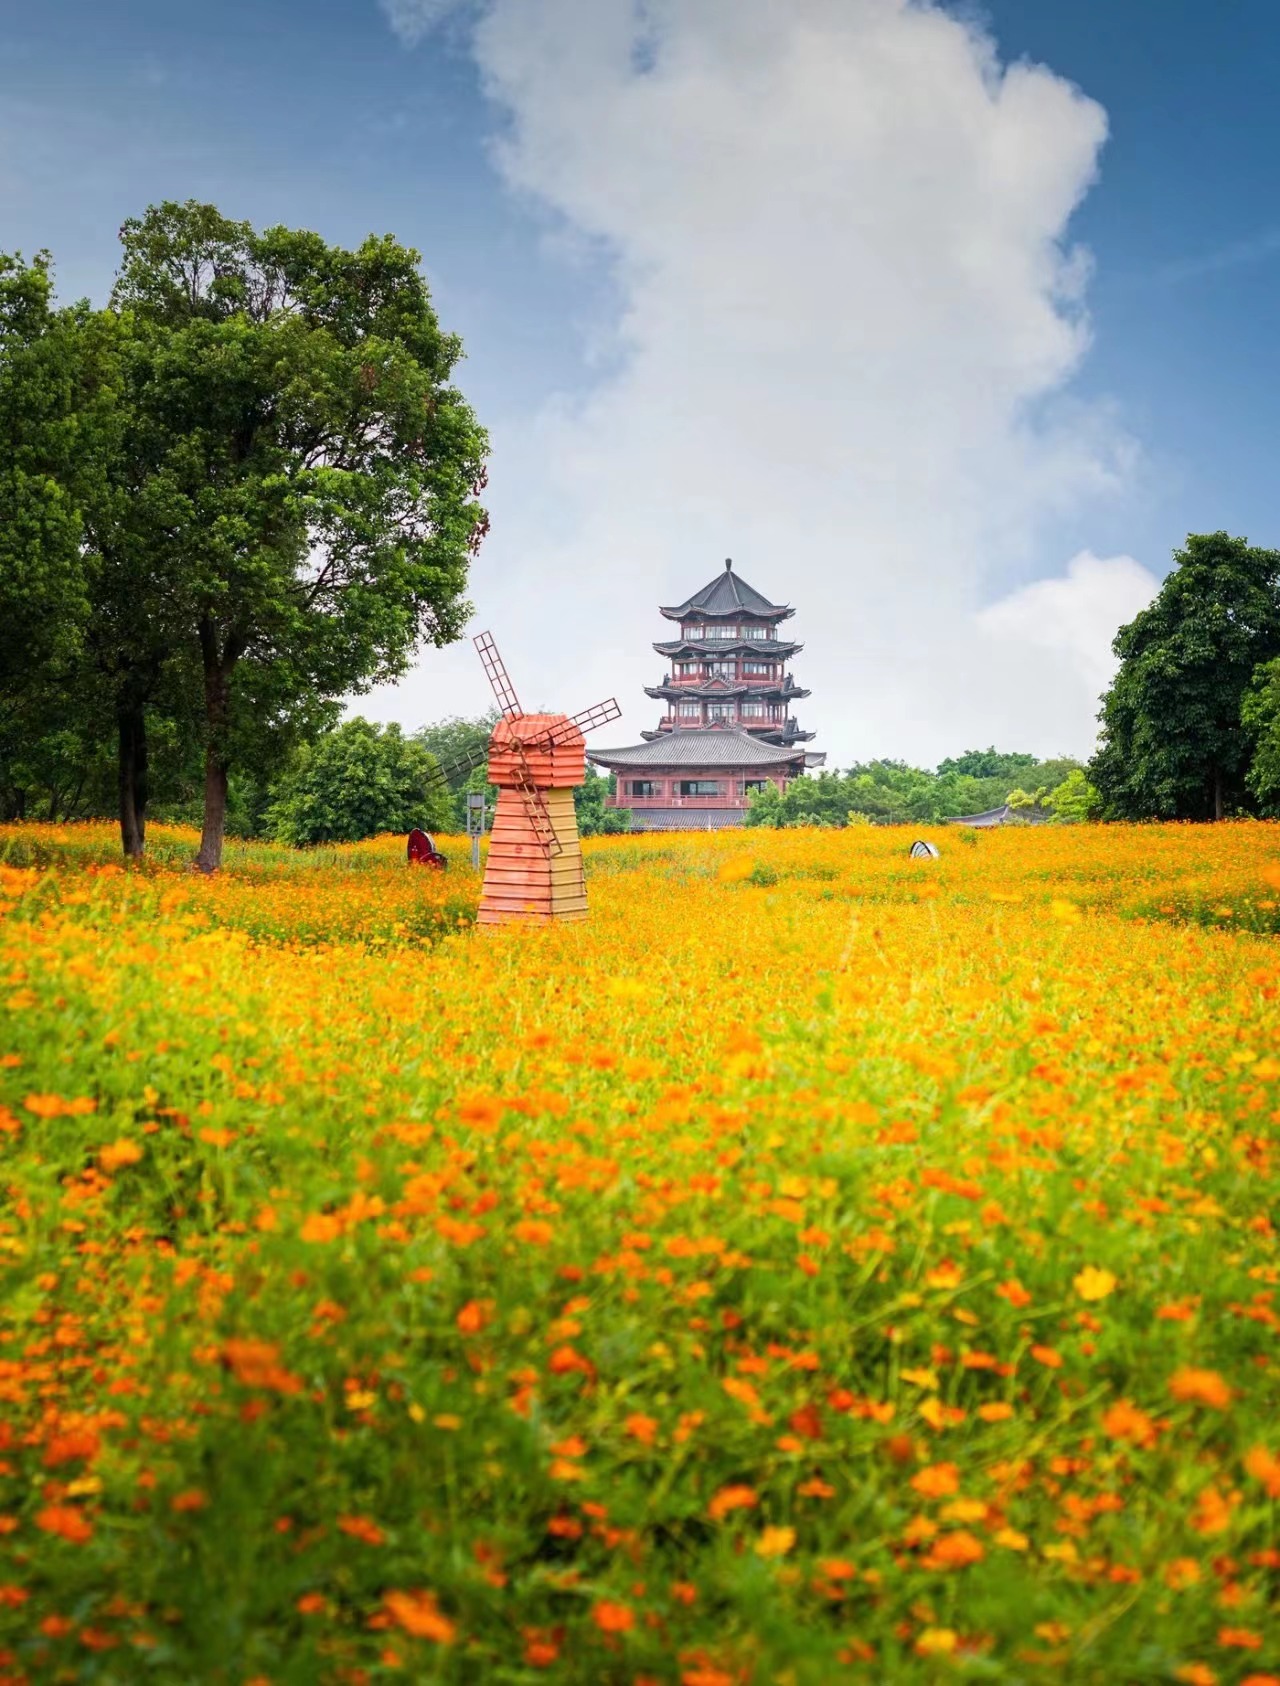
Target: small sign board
[475,812]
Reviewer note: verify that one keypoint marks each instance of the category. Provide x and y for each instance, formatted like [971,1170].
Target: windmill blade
[498,676]
[445,772]
[587,721]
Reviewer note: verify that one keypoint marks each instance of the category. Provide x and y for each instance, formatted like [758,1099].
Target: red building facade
[727,728]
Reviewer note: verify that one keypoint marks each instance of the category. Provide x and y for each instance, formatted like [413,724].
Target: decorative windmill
[534,870]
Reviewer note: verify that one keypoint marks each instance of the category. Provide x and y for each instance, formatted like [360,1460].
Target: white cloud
[1057,633]
[412,20]
[848,311]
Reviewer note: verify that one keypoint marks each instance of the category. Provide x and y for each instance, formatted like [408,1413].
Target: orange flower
[1239,1638]
[937,1481]
[1211,1513]
[732,1498]
[955,1551]
[257,1364]
[534,1232]
[44,1106]
[116,1155]
[321,1227]
[1014,1293]
[474,1316]
[1264,1466]
[641,1428]
[66,1522]
[417,1614]
[362,1528]
[612,1618]
[191,1499]
[1124,1421]
[1048,1356]
[1200,1387]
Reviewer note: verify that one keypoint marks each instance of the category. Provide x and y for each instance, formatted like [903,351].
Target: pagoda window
[722,711]
[748,785]
[765,668]
[691,710]
[753,711]
[725,670]
[722,632]
[699,787]
[684,669]
[697,630]
[756,631]
[644,787]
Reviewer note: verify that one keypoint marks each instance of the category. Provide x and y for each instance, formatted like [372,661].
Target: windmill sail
[587,721]
[498,676]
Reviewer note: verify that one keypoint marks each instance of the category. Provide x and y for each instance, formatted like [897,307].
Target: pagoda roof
[727,594]
[709,648]
[777,689]
[708,746]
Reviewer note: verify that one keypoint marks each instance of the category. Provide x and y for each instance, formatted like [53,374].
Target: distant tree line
[244,490]
[893,793]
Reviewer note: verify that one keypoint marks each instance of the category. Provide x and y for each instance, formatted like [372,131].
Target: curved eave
[688,611]
[727,646]
[737,691]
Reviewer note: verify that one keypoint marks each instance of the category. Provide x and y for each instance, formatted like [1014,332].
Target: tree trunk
[209,855]
[1217,794]
[218,667]
[133,780]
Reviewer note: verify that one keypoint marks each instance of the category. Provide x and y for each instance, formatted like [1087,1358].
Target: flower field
[822,1266]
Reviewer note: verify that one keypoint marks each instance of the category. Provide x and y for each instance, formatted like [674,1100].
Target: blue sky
[320,115]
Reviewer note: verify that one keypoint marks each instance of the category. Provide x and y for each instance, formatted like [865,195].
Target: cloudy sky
[946,322]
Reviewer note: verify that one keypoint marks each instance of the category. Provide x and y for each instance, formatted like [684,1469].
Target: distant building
[728,729]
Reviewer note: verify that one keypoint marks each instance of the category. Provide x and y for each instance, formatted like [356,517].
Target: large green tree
[56,416]
[1173,744]
[292,508]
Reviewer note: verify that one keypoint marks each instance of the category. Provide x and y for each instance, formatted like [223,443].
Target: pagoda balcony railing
[752,723]
[687,681]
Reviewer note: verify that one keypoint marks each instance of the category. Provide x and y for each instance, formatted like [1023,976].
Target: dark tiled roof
[727,594]
[707,747]
[684,819]
[1004,815]
[713,649]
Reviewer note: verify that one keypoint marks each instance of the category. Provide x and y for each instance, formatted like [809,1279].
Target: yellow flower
[775,1542]
[1094,1284]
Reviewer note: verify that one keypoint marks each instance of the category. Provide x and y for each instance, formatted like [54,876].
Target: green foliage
[1027,798]
[1260,718]
[892,793]
[357,781]
[1174,744]
[988,764]
[1075,799]
[461,747]
[594,819]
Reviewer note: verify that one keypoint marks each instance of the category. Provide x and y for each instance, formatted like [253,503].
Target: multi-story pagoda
[728,729]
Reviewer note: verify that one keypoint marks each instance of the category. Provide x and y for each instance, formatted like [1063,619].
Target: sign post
[475,823]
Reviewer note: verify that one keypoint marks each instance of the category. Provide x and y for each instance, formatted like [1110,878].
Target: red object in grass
[423,852]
